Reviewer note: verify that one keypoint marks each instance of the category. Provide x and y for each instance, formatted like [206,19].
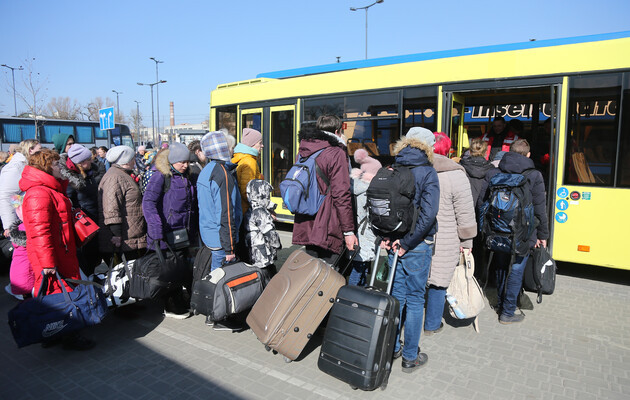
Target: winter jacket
[498,142]
[140,165]
[365,235]
[219,206]
[120,203]
[456,220]
[171,210]
[262,239]
[247,169]
[476,169]
[83,190]
[10,185]
[416,154]
[335,216]
[514,163]
[21,272]
[49,227]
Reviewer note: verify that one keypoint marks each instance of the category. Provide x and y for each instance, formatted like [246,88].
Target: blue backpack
[299,190]
[506,219]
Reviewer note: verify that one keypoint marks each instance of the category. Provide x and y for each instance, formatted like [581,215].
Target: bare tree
[34,93]
[136,124]
[64,108]
[91,110]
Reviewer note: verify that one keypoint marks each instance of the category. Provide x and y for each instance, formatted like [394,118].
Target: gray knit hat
[120,155]
[178,152]
[422,134]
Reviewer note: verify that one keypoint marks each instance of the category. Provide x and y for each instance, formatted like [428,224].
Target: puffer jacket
[418,155]
[456,220]
[476,169]
[83,190]
[247,169]
[367,239]
[120,202]
[21,272]
[171,210]
[10,185]
[49,227]
[335,216]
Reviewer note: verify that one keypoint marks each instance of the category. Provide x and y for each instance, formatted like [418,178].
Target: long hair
[43,160]
[26,146]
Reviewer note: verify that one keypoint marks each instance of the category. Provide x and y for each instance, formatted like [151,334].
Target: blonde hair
[26,146]
[477,147]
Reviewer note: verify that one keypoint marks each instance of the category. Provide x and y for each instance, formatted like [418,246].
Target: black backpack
[390,201]
[540,273]
[507,219]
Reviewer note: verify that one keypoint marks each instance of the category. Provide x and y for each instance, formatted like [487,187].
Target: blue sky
[87,49]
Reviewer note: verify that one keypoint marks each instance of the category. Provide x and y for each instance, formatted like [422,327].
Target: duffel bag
[116,282]
[47,317]
[228,290]
[158,273]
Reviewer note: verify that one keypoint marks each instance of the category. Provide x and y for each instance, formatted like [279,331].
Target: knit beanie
[79,153]
[422,134]
[178,152]
[215,146]
[368,164]
[250,137]
[120,155]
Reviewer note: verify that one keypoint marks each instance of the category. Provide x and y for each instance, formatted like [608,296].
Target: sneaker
[433,332]
[228,326]
[174,310]
[505,319]
[410,366]
[77,342]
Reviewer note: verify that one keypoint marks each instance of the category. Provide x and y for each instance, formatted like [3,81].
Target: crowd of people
[214,190]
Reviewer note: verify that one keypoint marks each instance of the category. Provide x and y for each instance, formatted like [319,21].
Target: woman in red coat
[49,228]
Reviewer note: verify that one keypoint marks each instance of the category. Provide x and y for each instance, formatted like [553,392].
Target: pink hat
[250,137]
[369,165]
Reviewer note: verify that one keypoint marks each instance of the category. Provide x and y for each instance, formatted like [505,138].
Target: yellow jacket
[246,170]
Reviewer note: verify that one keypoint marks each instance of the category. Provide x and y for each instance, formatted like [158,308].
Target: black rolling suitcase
[358,343]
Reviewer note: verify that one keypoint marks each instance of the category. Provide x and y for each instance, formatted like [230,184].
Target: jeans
[358,275]
[410,281]
[507,296]
[218,259]
[436,296]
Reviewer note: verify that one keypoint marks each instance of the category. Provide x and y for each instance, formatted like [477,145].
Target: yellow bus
[571,96]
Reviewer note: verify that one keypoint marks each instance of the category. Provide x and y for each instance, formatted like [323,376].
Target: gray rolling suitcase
[358,344]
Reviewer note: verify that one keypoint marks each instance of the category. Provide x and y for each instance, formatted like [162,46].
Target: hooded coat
[59,141]
[335,216]
[476,169]
[262,238]
[49,227]
[120,203]
[247,169]
[456,220]
[83,190]
[171,210]
[10,185]
[514,163]
[418,155]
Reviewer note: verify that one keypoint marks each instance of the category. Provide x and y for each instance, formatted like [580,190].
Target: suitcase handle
[354,253]
[392,269]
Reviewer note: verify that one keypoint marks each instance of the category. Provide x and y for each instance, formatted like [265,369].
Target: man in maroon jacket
[325,234]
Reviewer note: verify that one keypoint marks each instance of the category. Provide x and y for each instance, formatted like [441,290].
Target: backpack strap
[319,171]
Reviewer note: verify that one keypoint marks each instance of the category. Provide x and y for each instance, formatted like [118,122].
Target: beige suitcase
[294,303]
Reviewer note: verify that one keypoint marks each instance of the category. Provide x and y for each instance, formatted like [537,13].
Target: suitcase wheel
[267,348]
[287,360]
[353,387]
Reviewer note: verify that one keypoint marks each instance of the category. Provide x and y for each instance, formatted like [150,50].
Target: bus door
[455,122]
[280,141]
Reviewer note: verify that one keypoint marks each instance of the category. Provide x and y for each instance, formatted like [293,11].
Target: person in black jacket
[517,161]
[83,177]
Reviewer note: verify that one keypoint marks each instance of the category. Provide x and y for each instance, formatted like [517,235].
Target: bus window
[624,163]
[252,121]
[593,129]
[100,134]
[315,108]
[84,134]
[372,105]
[16,132]
[52,129]
[226,118]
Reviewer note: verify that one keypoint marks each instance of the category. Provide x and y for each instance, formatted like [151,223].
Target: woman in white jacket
[10,178]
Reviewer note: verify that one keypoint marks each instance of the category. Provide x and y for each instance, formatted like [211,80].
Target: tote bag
[464,295]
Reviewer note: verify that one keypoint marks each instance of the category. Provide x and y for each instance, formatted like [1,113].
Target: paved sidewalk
[575,345]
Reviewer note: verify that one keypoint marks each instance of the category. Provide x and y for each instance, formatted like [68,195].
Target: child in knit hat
[361,178]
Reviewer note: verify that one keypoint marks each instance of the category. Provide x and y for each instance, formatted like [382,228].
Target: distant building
[185,133]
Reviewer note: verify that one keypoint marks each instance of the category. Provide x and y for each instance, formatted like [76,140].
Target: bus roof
[376,62]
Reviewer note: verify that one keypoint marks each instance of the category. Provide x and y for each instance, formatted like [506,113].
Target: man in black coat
[517,161]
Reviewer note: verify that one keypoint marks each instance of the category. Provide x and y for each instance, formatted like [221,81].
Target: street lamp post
[152,113]
[138,120]
[157,90]
[117,105]
[20,68]
[366,22]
